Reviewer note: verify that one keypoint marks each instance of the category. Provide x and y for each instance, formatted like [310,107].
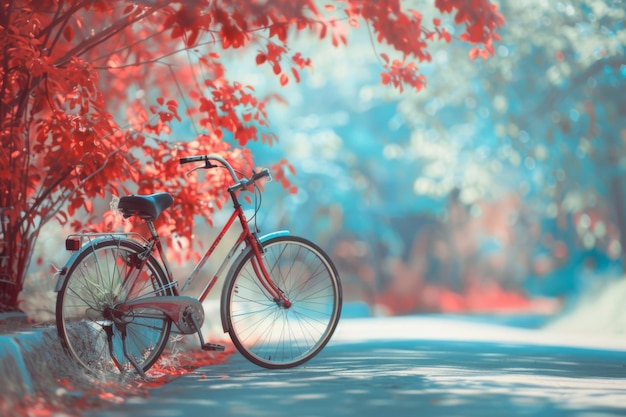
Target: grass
[57,386]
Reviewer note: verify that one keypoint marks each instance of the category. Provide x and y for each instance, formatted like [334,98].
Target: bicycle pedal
[213,346]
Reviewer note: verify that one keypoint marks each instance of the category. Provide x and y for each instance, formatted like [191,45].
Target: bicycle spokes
[91,320]
[268,332]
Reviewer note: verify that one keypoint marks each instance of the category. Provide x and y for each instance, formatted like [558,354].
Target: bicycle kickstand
[205,346]
[129,357]
[108,330]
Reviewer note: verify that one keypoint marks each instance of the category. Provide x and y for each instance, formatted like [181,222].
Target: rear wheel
[90,324]
[265,331]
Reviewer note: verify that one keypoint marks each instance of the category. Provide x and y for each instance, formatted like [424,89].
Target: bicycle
[117,298]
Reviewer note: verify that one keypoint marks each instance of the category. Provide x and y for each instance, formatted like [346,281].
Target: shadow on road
[404,378]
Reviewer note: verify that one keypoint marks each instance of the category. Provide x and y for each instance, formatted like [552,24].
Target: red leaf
[68,33]
[323,31]
[445,35]
[276,68]
[261,58]
[284,79]
[177,32]
[484,53]
[192,38]
[61,218]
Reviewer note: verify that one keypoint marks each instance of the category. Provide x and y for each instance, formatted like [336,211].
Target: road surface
[412,366]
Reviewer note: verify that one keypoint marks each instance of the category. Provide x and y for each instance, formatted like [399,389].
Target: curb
[22,347]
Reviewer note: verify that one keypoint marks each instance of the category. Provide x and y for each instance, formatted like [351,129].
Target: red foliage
[490,298]
[89,92]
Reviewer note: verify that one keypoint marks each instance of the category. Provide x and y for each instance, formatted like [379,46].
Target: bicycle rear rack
[76,241]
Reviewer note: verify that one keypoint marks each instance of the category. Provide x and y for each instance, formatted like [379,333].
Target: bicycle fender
[229,277]
[61,274]
[273,235]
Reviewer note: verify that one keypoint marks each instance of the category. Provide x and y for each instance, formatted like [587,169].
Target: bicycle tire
[276,337]
[86,302]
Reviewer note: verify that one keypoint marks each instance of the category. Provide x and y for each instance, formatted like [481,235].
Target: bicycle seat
[148,207]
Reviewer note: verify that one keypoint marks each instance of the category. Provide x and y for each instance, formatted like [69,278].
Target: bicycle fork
[261,272]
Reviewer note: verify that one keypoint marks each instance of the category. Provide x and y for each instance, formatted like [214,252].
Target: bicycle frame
[245,236]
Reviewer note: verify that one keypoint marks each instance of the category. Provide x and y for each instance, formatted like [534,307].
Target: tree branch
[108,33]
[61,201]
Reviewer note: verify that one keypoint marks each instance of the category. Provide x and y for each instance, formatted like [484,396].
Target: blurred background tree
[499,184]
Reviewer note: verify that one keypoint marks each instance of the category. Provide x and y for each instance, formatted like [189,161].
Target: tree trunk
[15,246]
[10,287]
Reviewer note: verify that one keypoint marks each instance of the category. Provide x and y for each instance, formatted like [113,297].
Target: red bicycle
[117,299]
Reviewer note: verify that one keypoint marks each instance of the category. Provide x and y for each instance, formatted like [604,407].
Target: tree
[553,112]
[91,90]
[544,119]
[575,127]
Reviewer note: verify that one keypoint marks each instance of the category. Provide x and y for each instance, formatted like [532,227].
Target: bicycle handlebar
[239,183]
[188,159]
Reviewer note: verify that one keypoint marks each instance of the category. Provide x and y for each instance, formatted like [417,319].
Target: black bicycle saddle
[148,207]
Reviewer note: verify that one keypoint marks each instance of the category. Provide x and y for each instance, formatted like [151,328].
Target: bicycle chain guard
[184,311]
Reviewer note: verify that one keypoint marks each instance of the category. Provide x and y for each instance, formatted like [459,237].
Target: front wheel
[263,329]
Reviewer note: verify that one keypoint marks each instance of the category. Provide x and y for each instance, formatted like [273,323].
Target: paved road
[412,367]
